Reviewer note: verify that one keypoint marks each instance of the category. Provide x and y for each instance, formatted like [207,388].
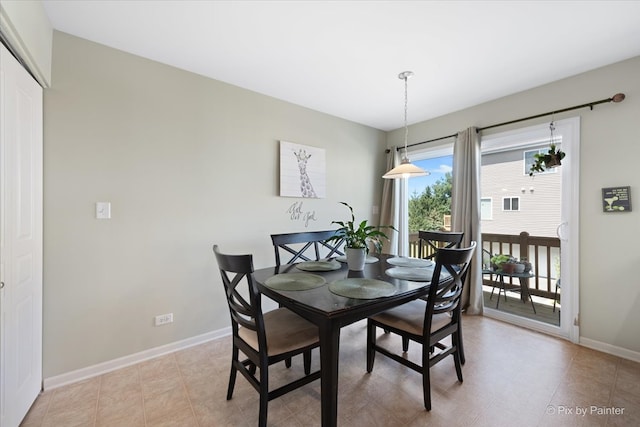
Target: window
[429,201]
[486,208]
[511,203]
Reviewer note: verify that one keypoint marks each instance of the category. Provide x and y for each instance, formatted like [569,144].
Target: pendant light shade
[405,169]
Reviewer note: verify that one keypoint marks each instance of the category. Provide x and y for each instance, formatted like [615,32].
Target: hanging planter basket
[548,160]
[551,159]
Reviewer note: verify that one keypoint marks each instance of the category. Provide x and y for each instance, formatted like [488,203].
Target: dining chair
[301,246]
[306,246]
[264,338]
[431,240]
[428,322]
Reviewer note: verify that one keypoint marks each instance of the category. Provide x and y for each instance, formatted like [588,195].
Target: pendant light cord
[406,127]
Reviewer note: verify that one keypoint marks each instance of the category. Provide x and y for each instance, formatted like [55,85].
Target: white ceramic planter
[355,258]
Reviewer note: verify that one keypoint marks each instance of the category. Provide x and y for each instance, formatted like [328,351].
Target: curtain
[465,211]
[389,205]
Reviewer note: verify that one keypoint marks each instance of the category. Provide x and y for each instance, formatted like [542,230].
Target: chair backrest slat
[430,241]
[237,276]
[290,243]
[445,298]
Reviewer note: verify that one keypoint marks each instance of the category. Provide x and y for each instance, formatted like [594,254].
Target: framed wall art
[616,199]
[302,171]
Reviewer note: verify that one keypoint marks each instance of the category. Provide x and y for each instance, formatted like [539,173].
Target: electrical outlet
[163,319]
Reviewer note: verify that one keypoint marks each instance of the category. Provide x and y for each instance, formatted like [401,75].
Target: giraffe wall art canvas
[302,171]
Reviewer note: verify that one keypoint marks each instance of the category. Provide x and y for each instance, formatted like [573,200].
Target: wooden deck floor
[513,305]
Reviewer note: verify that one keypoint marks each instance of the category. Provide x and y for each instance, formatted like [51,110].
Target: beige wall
[609,155]
[186,162]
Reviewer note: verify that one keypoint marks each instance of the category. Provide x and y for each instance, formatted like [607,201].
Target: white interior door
[20,240]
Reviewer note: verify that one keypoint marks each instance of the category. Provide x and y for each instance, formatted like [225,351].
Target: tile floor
[513,377]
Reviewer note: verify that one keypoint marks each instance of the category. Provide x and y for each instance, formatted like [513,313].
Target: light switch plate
[103,210]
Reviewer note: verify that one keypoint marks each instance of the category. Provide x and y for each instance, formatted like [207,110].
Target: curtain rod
[618,97]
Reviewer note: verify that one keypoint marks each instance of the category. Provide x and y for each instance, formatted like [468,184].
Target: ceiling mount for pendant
[405,169]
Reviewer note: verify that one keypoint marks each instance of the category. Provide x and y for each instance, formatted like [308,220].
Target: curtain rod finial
[618,97]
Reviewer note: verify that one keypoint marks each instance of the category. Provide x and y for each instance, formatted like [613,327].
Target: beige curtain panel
[465,211]
[389,204]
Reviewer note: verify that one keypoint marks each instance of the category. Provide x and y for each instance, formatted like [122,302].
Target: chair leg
[234,371]
[405,344]
[460,345]
[371,342]
[456,361]
[426,382]
[307,362]
[264,397]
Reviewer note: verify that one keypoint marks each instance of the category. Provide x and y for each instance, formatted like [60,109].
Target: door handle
[1,285]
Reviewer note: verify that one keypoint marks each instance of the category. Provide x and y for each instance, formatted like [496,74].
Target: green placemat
[410,262]
[319,265]
[294,281]
[414,274]
[362,288]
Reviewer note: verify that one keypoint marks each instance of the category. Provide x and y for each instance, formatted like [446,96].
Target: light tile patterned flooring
[512,377]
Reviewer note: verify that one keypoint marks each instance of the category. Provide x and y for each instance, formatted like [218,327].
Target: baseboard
[610,349]
[132,359]
[553,330]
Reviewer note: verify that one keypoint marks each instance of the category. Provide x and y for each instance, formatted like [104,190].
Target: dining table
[331,296]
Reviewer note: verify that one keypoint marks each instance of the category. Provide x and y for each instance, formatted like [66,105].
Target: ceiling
[343,57]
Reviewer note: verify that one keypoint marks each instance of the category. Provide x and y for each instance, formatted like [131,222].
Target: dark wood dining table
[331,312]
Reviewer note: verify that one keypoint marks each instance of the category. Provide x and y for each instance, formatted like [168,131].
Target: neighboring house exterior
[512,201]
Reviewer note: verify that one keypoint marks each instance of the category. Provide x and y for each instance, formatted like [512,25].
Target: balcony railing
[542,252]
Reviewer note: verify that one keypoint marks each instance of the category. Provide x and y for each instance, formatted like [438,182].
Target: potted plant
[357,239]
[499,261]
[527,265]
[550,159]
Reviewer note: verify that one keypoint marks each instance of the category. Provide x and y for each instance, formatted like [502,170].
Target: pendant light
[405,169]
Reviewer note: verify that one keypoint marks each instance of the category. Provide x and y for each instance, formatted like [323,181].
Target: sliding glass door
[539,212]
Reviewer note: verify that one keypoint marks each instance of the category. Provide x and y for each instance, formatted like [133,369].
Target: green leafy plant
[499,259]
[358,237]
[546,160]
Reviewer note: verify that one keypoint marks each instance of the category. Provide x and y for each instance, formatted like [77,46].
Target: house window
[511,203]
[529,159]
[486,208]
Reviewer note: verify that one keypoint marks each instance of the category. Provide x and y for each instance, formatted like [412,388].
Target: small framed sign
[616,199]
